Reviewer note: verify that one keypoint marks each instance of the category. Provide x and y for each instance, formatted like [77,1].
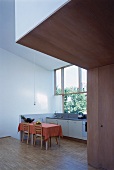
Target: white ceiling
[41,59]
[31,13]
[8,40]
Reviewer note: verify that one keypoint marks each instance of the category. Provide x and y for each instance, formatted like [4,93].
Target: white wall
[17,77]
[32,12]
[0,24]
[17,91]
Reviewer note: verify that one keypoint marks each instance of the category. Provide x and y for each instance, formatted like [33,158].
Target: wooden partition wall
[101,117]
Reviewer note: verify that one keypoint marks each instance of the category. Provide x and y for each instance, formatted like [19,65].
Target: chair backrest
[38,129]
[26,127]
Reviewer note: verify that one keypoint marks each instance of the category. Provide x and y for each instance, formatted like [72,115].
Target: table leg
[31,139]
[21,133]
[46,144]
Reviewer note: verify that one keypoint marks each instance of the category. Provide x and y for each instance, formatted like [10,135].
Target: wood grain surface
[81,33]
[70,155]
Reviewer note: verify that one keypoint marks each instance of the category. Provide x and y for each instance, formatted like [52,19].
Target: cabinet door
[65,126]
[75,129]
[48,120]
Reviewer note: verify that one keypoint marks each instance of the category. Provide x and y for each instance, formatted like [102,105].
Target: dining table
[48,131]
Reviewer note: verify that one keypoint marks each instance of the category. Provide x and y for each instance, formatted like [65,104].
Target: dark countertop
[75,119]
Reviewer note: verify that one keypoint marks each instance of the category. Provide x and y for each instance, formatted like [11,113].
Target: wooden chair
[25,131]
[38,134]
[55,137]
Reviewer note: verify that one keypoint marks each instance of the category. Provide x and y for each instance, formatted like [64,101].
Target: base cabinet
[65,126]
[70,128]
[75,129]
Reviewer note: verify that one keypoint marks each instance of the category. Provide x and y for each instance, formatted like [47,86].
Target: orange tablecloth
[49,130]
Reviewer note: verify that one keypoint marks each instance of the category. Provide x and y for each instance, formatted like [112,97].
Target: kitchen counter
[75,119]
[71,126]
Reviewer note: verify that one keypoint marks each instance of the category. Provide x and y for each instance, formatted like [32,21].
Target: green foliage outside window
[58,90]
[74,103]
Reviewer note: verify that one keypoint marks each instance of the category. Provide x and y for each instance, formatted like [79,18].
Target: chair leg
[22,136]
[56,140]
[27,138]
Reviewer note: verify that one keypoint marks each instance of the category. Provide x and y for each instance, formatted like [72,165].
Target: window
[75,103]
[58,82]
[71,83]
[84,80]
[71,79]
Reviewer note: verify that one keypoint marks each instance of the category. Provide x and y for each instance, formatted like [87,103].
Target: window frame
[62,84]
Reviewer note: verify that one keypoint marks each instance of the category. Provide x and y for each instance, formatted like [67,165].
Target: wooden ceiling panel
[81,33]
